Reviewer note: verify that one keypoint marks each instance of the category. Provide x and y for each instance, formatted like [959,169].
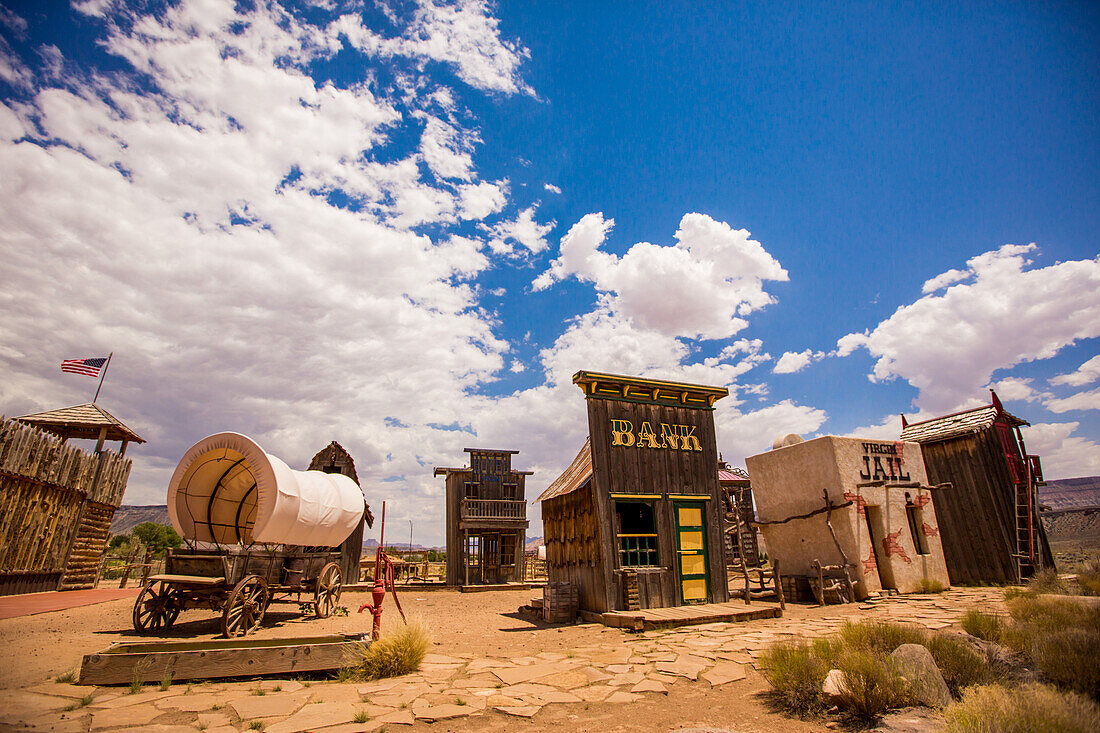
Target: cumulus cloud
[552,188]
[1089,400]
[1064,455]
[948,345]
[220,219]
[523,230]
[714,276]
[463,35]
[792,361]
[1015,388]
[1085,374]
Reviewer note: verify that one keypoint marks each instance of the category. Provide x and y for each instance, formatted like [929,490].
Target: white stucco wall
[791,480]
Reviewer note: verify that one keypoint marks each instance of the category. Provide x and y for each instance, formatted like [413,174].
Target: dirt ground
[37,648]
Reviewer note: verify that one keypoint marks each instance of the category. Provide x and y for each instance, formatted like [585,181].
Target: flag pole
[101,376]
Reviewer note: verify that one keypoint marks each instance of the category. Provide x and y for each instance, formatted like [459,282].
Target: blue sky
[404,225]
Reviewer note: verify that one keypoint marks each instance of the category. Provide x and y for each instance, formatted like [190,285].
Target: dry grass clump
[931,586]
[796,673]
[1031,708]
[1088,578]
[400,651]
[1047,581]
[872,683]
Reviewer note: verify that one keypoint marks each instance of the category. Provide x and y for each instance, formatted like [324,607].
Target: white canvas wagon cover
[228,491]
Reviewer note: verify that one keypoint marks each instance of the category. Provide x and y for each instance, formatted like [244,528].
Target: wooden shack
[56,500]
[486,519]
[741,541]
[334,459]
[636,521]
[989,520]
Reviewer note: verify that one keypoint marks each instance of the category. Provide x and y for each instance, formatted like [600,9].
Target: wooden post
[778,584]
[466,553]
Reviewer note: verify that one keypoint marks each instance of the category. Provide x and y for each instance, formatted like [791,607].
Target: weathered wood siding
[56,506]
[572,535]
[977,516]
[659,472]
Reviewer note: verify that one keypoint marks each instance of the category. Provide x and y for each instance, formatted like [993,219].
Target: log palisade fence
[56,507]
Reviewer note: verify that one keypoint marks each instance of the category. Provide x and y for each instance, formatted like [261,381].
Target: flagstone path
[461,686]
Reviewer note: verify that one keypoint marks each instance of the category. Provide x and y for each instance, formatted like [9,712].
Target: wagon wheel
[244,610]
[157,605]
[327,594]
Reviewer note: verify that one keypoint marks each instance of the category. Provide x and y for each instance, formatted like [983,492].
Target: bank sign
[668,436]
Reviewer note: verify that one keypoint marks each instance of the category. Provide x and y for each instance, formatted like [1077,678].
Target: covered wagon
[255,532]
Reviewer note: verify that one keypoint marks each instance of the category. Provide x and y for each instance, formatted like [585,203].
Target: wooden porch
[707,613]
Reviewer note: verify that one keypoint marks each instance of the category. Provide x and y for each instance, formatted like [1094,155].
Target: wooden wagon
[239,584]
[257,532]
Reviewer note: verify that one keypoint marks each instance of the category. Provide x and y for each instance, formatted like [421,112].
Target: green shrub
[1070,658]
[931,586]
[872,683]
[1047,581]
[398,652]
[880,636]
[985,626]
[960,664]
[1088,578]
[1031,708]
[796,673]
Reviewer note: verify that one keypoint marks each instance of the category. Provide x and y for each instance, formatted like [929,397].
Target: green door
[691,545]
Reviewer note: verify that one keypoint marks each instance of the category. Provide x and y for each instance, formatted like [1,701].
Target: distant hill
[128,517]
[533,543]
[1071,494]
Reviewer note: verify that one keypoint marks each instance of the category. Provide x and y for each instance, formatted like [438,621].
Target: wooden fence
[56,506]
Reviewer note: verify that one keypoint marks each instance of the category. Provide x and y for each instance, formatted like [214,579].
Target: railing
[493,509]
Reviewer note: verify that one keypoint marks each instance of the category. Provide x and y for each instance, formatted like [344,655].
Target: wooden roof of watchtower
[83,422]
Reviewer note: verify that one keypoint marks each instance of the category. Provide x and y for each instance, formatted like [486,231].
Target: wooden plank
[121,664]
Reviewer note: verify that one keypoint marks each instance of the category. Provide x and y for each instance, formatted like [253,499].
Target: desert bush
[400,651]
[1070,658]
[796,672]
[880,636]
[872,683]
[1088,578]
[931,586]
[985,626]
[1032,708]
[1047,581]
[960,664]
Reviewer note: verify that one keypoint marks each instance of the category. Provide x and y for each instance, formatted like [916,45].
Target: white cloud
[1088,400]
[193,235]
[949,345]
[462,35]
[702,287]
[517,367]
[792,362]
[944,279]
[743,434]
[1085,374]
[552,188]
[1015,388]
[522,230]
[1063,454]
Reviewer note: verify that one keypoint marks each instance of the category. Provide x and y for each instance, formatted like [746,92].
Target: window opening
[637,534]
[913,514]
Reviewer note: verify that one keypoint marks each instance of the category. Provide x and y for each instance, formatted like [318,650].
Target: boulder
[915,663]
[833,688]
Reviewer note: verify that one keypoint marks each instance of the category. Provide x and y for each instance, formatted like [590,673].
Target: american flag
[87,367]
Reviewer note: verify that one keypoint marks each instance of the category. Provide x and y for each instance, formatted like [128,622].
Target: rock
[911,720]
[915,663]
[833,688]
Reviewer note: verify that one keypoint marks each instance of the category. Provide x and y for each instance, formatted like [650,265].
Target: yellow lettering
[646,437]
[622,433]
[688,441]
[669,437]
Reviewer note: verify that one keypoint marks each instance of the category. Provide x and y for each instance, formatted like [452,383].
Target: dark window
[913,514]
[637,534]
[473,489]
